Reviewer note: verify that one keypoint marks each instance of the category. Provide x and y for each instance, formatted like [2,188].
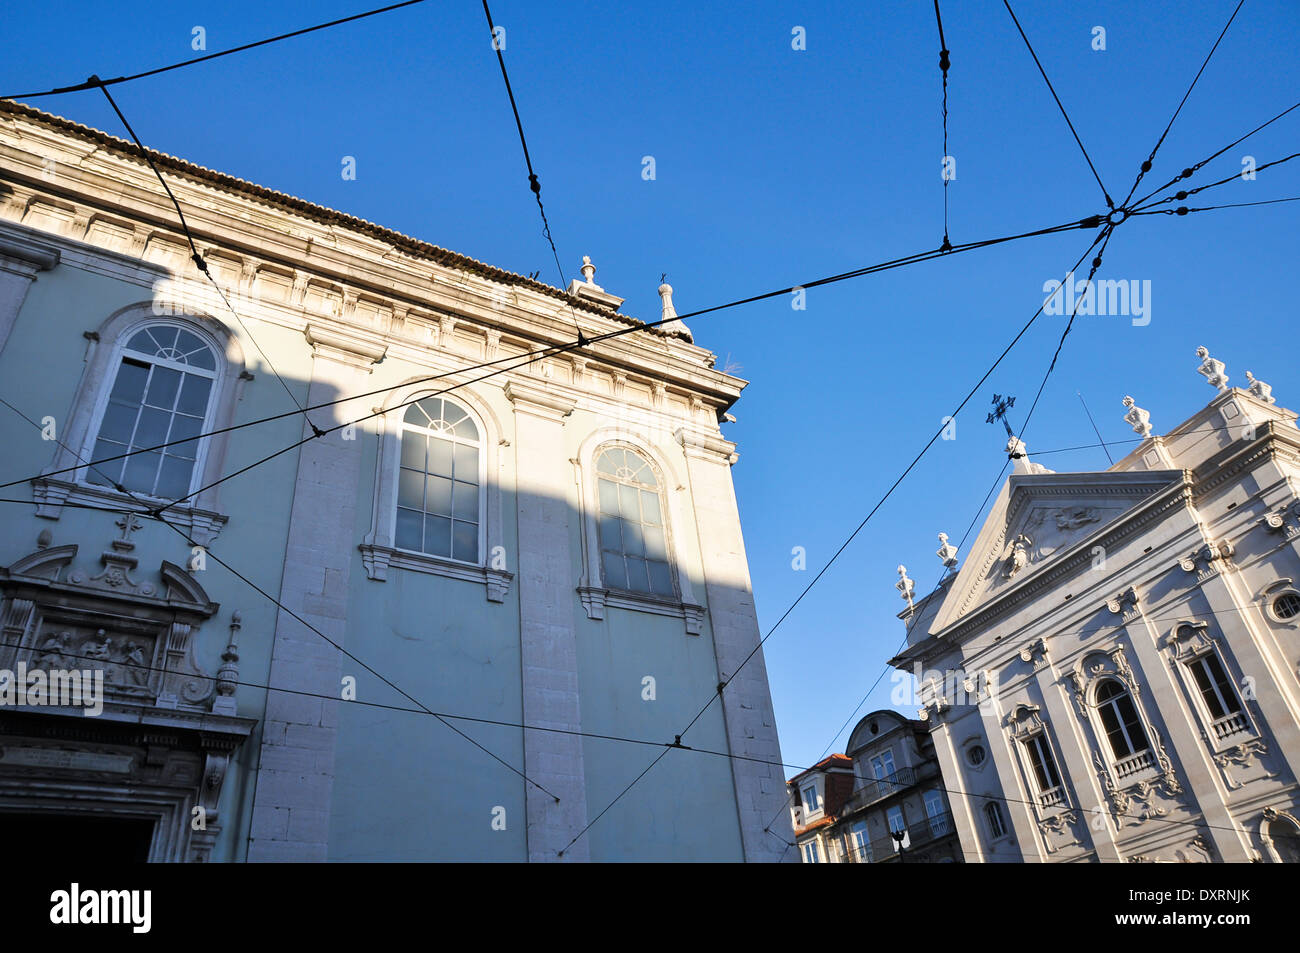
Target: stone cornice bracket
[1209,557]
[1035,653]
[343,348]
[1124,604]
[33,255]
[1285,520]
[706,446]
[538,401]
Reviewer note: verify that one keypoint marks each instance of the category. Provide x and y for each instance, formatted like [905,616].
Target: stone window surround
[1024,724]
[1189,640]
[1113,665]
[379,552]
[1270,595]
[200,515]
[591,587]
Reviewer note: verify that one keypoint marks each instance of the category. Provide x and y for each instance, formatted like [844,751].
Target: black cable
[1188,193]
[1184,210]
[92,83]
[195,256]
[1059,106]
[533,182]
[1146,166]
[944,63]
[1192,170]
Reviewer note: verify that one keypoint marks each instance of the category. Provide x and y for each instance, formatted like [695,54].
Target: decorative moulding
[203,526]
[595,599]
[346,349]
[537,401]
[377,560]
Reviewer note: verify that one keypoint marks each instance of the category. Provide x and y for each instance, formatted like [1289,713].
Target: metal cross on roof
[1000,407]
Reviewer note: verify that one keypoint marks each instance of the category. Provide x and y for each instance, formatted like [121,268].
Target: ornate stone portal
[158,750]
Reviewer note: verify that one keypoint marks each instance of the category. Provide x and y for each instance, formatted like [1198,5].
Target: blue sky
[775,167]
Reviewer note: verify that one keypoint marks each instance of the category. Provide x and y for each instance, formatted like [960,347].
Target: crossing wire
[93,83]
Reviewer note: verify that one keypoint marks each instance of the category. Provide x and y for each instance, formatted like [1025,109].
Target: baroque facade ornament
[1206,556]
[1212,370]
[947,553]
[1259,389]
[1137,418]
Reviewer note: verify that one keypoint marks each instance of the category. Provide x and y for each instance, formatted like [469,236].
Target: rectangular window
[997,823]
[858,839]
[1040,756]
[883,767]
[1216,689]
[934,810]
[811,805]
[896,825]
[810,853]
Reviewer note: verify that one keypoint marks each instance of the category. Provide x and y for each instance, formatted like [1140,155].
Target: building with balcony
[883,802]
[1112,673]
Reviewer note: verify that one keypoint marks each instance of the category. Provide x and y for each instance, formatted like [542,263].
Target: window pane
[410,525]
[609,461]
[611,537]
[119,421]
[163,385]
[608,496]
[152,428]
[464,500]
[105,473]
[633,545]
[165,336]
[1227,691]
[1207,689]
[1131,722]
[642,472]
[661,580]
[174,481]
[143,342]
[627,497]
[655,546]
[466,463]
[438,499]
[615,573]
[466,430]
[650,507]
[421,412]
[437,535]
[141,469]
[413,450]
[465,541]
[638,580]
[131,377]
[1110,722]
[184,428]
[194,395]
[439,457]
[410,489]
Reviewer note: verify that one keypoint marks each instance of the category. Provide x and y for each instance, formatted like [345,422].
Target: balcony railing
[875,790]
[919,834]
[1231,724]
[1127,767]
[1053,797]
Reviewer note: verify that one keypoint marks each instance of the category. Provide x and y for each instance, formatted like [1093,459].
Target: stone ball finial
[588,270]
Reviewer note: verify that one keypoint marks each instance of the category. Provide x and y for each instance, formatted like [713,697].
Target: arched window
[439,491]
[1119,718]
[160,392]
[633,542]
[996,820]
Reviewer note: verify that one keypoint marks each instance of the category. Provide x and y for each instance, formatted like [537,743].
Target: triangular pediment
[1037,520]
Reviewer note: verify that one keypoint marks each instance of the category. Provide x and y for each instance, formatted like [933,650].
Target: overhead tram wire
[533,182]
[944,63]
[1146,166]
[722,685]
[553,350]
[283,608]
[1192,170]
[1184,194]
[196,257]
[1184,210]
[91,84]
[1052,90]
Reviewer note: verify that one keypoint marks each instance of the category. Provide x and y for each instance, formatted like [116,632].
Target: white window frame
[811,854]
[886,780]
[200,515]
[860,839]
[379,551]
[992,810]
[895,812]
[930,799]
[678,522]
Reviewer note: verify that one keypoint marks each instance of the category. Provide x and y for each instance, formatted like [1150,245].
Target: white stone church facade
[1112,673]
[555,546]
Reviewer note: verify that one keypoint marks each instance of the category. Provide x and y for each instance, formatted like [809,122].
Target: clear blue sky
[775,167]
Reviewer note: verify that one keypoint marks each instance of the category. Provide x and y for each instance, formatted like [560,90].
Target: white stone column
[1018,812]
[953,779]
[547,636]
[746,701]
[19,263]
[295,779]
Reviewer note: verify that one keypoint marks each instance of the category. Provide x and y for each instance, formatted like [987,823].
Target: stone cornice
[538,402]
[1272,441]
[349,349]
[713,447]
[37,255]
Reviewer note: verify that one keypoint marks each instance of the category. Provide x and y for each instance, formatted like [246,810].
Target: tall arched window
[161,392]
[1120,719]
[439,491]
[633,542]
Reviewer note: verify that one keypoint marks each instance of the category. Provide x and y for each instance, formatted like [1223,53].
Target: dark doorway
[76,835]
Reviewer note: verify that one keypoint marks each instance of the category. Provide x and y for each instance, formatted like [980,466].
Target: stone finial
[1212,370]
[588,270]
[228,674]
[1018,452]
[1259,389]
[905,586]
[669,312]
[947,552]
[1137,418]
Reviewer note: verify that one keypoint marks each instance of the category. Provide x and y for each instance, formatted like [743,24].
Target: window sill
[203,526]
[595,599]
[378,559]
